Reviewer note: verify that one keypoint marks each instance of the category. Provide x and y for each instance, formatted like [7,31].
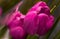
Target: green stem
[55,6]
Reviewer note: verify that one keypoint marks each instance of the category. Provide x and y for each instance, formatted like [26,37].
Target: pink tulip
[15,20]
[17,33]
[38,20]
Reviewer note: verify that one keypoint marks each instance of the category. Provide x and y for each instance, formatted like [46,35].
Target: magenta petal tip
[17,32]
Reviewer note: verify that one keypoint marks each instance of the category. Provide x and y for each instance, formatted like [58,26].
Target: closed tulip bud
[40,7]
[50,22]
[17,33]
[31,23]
[38,19]
[45,23]
[15,20]
[38,4]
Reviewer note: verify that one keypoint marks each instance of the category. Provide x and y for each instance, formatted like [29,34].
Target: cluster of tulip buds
[37,20]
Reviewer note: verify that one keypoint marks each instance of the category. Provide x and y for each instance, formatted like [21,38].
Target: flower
[40,7]
[7,18]
[38,4]
[31,23]
[17,33]
[16,19]
[15,25]
[38,19]
[45,23]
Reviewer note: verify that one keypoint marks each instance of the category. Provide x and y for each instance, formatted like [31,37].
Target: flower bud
[17,33]
[31,23]
[40,7]
[43,20]
[45,23]
[38,19]
[38,4]
[15,20]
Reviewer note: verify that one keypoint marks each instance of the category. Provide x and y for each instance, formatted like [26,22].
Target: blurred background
[8,7]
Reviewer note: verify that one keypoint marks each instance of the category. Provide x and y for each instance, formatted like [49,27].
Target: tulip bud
[43,19]
[45,23]
[40,7]
[38,19]
[16,19]
[13,18]
[38,4]
[17,33]
[31,23]
[50,22]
